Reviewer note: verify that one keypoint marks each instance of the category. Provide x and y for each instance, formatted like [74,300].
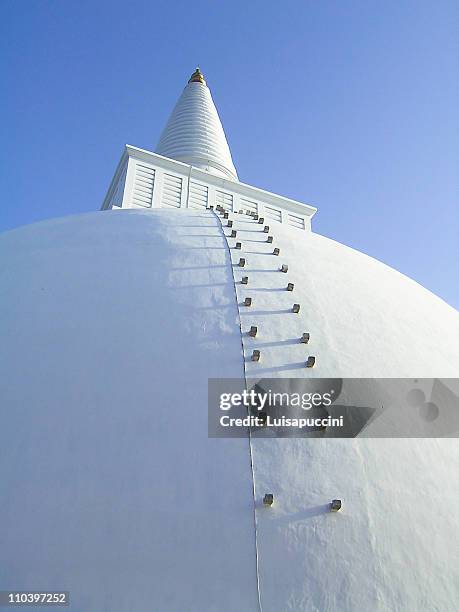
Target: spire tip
[197,77]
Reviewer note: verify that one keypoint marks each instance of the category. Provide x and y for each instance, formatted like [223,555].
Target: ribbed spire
[194,133]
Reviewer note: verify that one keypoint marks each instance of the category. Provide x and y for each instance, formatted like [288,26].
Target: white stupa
[112,323]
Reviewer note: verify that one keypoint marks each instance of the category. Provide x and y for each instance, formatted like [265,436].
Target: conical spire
[194,133]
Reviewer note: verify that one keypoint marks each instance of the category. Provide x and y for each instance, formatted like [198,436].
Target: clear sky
[351,106]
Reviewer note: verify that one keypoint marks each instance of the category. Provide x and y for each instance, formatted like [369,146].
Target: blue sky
[349,106]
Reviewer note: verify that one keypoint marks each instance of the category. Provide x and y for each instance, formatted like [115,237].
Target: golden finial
[197,77]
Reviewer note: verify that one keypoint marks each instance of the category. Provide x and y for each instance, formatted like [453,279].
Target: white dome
[112,323]
[194,133]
